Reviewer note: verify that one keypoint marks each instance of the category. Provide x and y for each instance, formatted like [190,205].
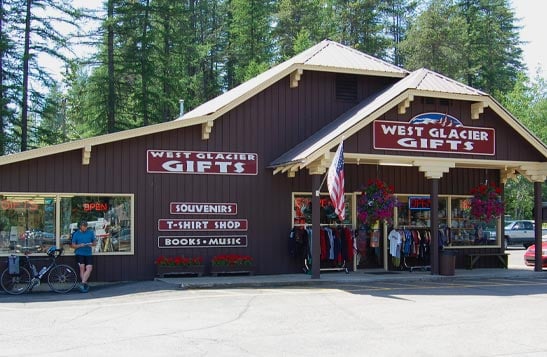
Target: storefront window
[36,222]
[108,216]
[414,211]
[455,223]
[302,210]
[27,223]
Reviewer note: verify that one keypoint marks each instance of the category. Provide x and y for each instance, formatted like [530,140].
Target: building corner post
[316,228]
[435,248]
[538,219]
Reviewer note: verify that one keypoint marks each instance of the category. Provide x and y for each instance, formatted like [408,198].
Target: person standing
[82,241]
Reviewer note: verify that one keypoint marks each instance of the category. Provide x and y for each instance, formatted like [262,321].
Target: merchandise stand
[302,237]
[414,249]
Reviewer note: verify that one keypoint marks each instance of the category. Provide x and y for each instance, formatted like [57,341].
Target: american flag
[335,182]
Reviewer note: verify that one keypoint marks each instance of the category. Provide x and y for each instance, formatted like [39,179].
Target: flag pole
[318,191]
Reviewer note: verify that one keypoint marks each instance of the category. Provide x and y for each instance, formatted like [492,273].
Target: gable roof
[422,82]
[325,56]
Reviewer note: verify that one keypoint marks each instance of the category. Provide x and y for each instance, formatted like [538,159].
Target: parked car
[519,233]
[530,255]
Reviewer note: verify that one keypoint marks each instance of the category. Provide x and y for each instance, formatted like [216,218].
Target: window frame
[59,233]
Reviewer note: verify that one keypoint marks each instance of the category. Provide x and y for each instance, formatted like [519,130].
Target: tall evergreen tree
[38,34]
[437,40]
[298,18]
[249,33]
[360,26]
[397,16]
[494,55]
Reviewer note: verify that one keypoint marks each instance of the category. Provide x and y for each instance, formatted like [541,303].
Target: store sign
[202,208]
[202,242]
[178,225]
[18,205]
[95,206]
[433,132]
[416,203]
[201,162]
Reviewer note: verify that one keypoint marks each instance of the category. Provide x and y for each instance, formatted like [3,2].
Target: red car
[530,255]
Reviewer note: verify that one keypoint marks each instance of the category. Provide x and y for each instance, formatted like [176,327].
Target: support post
[434,217]
[538,219]
[316,228]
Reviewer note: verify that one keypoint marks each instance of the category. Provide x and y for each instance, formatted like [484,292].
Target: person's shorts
[84,259]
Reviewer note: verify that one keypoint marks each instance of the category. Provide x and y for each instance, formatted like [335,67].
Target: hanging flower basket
[376,202]
[486,203]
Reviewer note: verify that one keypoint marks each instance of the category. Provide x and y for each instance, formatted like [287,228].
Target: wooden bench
[474,257]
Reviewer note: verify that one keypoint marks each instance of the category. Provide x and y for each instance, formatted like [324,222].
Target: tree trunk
[24,101]
[111,102]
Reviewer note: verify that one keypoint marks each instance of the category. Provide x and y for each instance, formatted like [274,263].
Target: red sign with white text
[433,132]
[201,162]
[178,225]
[202,208]
[202,242]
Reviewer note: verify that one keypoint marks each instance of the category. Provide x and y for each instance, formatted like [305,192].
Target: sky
[532,15]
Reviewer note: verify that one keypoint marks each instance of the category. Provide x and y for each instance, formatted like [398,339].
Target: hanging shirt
[395,241]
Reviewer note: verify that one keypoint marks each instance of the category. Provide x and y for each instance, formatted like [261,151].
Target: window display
[27,223]
[36,222]
[455,222]
[302,210]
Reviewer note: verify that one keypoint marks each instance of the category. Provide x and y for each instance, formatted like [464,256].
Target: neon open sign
[419,203]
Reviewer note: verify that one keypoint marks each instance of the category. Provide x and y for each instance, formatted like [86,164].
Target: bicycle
[61,278]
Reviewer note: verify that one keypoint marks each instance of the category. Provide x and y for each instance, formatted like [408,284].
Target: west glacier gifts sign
[201,162]
[433,132]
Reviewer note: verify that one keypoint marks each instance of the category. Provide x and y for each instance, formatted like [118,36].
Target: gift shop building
[244,174]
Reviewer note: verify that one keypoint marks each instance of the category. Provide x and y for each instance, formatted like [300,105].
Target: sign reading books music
[433,132]
[201,162]
[202,242]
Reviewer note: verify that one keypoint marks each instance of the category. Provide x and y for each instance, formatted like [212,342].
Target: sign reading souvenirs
[419,203]
[433,132]
[202,208]
[202,242]
[201,162]
[177,225]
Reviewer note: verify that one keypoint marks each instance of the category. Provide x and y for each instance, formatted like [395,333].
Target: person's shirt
[86,237]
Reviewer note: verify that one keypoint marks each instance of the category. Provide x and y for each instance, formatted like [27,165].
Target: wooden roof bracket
[86,154]
[477,109]
[295,77]
[507,174]
[321,164]
[433,169]
[405,104]
[206,129]
[535,171]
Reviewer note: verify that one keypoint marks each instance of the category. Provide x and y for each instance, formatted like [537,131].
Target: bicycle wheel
[16,284]
[62,278]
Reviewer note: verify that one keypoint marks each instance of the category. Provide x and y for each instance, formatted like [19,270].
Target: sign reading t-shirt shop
[201,162]
[178,225]
[433,132]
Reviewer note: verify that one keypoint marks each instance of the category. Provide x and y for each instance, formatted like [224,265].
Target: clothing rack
[337,247]
[411,243]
